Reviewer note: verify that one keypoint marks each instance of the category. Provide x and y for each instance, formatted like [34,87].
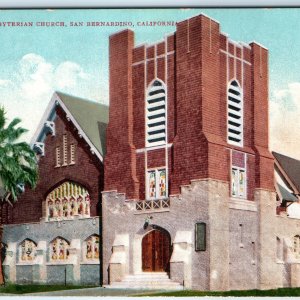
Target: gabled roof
[291,168]
[89,117]
[286,196]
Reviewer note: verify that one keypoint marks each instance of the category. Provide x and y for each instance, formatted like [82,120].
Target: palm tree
[18,166]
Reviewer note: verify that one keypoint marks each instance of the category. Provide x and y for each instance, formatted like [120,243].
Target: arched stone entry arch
[156,250]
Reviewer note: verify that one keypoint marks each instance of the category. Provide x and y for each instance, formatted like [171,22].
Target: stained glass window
[28,250]
[162,183]
[59,249]
[66,201]
[152,184]
[234,182]
[157,184]
[238,182]
[92,247]
[241,182]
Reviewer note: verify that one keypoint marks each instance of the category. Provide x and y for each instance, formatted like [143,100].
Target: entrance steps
[147,280]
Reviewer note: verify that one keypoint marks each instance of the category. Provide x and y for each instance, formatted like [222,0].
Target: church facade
[52,233]
[174,183]
[194,159]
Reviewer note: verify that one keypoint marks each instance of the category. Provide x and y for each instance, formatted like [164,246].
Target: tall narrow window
[72,154]
[279,249]
[200,236]
[235,114]
[297,246]
[156,114]
[162,183]
[152,184]
[57,155]
[65,150]
[238,182]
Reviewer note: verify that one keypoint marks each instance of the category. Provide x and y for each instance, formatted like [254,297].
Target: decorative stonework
[39,148]
[50,127]
[59,250]
[66,201]
[92,248]
[27,251]
[149,205]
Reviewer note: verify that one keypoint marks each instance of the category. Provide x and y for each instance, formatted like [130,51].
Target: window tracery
[156,184]
[92,248]
[59,249]
[66,201]
[27,250]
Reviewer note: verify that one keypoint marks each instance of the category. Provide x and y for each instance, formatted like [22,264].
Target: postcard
[150,152]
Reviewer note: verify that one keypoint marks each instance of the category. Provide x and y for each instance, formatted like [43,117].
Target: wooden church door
[156,251]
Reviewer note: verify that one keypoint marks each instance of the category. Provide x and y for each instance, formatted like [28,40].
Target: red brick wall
[120,160]
[200,63]
[87,171]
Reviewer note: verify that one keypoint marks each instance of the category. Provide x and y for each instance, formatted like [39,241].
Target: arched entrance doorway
[156,251]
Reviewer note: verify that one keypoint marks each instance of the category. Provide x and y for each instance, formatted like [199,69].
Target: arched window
[91,249]
[156,114]
[296,248]
[27,250]
[235,114]
[59,249]
[66,201]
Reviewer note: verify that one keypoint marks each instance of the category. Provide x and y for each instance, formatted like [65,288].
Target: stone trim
[242,204]
[152,211]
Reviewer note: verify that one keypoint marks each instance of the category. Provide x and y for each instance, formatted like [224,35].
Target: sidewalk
[89,292]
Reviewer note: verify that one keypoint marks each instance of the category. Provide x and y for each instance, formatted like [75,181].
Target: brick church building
[172,187]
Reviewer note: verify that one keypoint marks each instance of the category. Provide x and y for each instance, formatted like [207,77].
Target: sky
[36,61]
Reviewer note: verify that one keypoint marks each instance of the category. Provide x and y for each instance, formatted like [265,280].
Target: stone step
[146,286]
[133,286]
[164,281]
[150,274]
[147,280]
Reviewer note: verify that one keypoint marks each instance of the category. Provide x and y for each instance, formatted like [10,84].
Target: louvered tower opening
[156,115]
[235,114]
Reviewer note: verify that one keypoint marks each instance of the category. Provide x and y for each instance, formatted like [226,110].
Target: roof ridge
[80,98]
[289,157]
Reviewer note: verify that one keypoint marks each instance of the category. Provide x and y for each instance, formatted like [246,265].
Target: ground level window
[59,250]
[92,248]
[28,250]
[297,246]
[157,184]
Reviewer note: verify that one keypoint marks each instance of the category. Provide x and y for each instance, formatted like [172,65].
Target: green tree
[18,166]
